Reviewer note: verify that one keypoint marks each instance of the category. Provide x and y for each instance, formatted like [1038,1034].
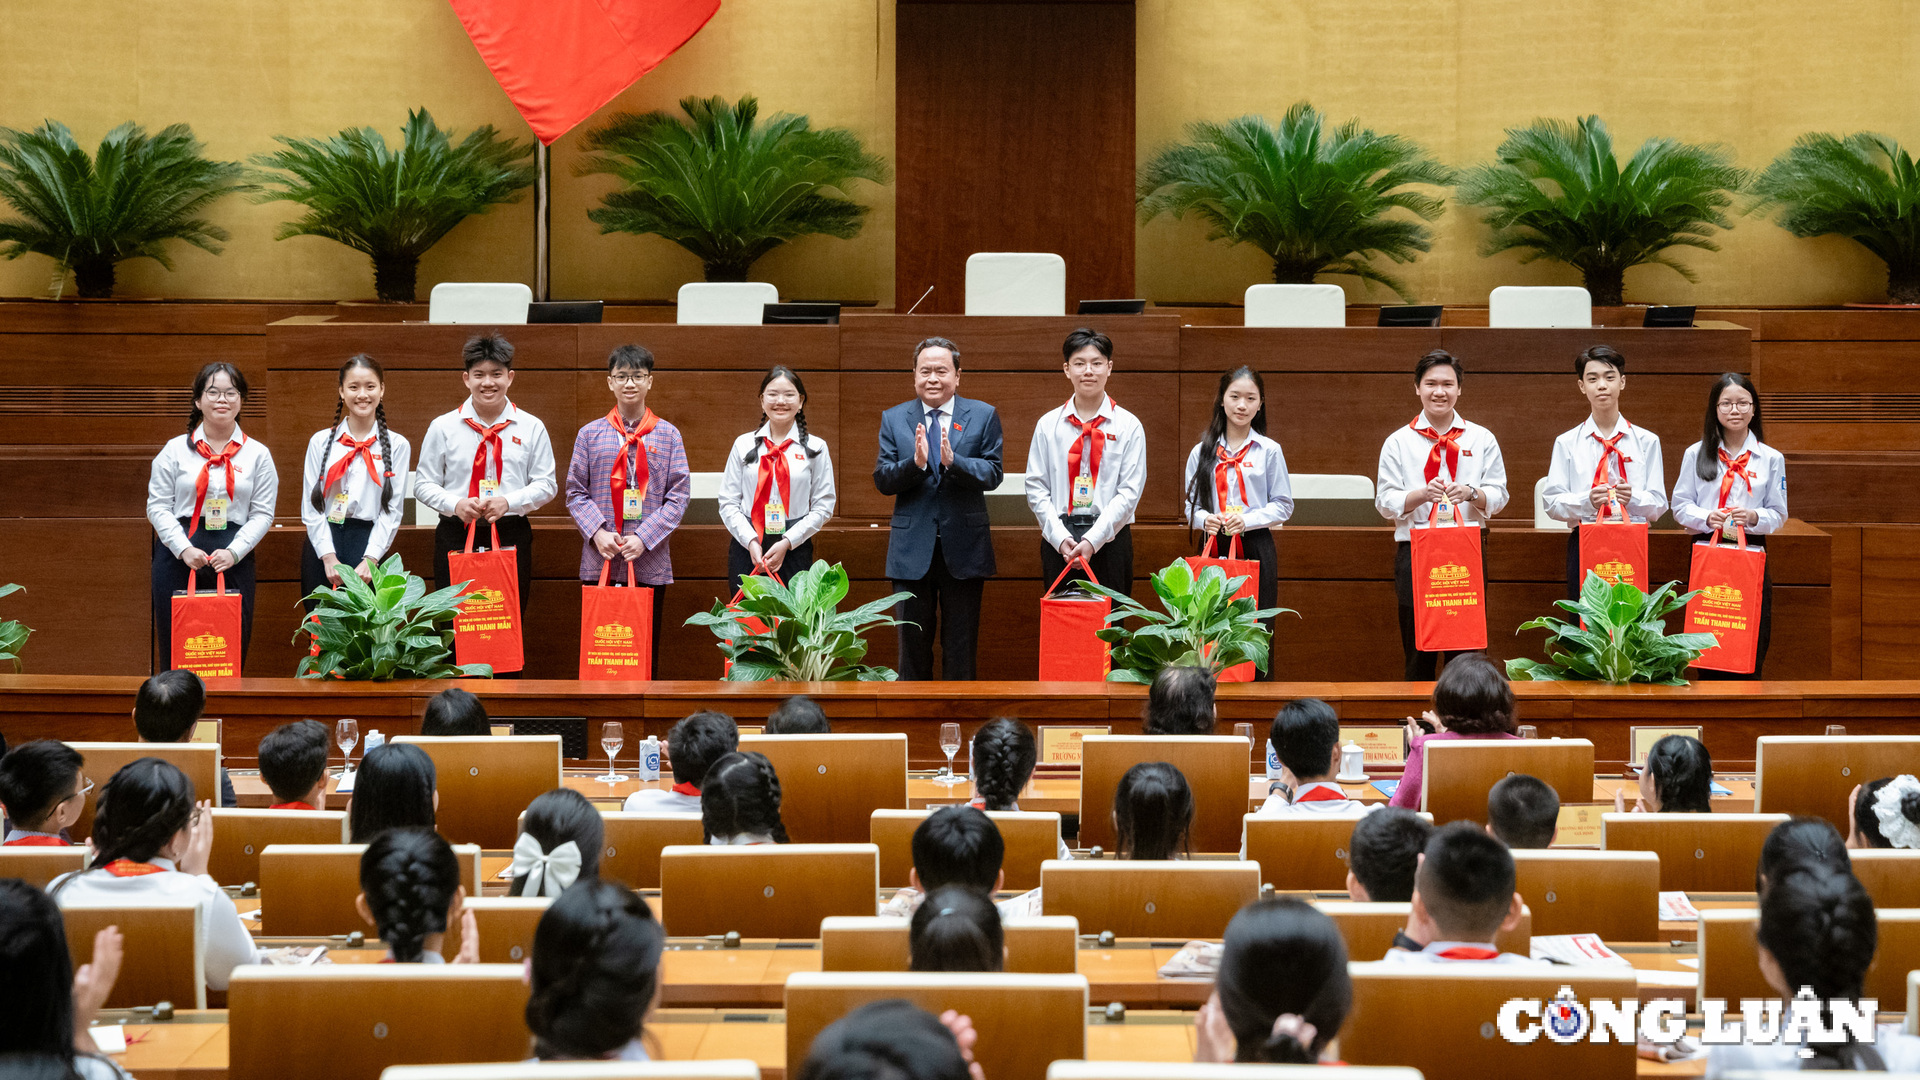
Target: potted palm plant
[1558,191]
[387,628]
[725,186]
[1203,625]
[1316,201]
[797,631]
[1862,186]
[130,200]
[393,205]
[1619,636]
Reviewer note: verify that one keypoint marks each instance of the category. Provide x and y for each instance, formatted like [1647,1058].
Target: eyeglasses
[221,395]
[82,793]
[632,380]
[1736,406]
[781,395]
[1089,365]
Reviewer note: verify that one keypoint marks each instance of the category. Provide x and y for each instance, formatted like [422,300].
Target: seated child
[1383,853]
[293,762]
[1886,813]
[455,712]
[1523,812]
[395,787]
[893,1040]
[166,710]
[693,745]
[955,845]
[798,715]
[1152,813]
[740,802]
[1799,842]
[410,893]
[1306,739]
[1001,762]
[957,929]
[561,838]
[1463,897]
[1254,1016]
[1678,779]
[43,792]
[594,975]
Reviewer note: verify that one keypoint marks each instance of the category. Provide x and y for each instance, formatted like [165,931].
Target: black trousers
[740,564]
[170,576]
[1112,564]
[1420,666]
[1257,545]
[349,545]
[936,594]
[1766,623]
[515,532]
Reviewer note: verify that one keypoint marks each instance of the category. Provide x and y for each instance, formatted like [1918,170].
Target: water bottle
[1273,762]
[650,758]
[374,738]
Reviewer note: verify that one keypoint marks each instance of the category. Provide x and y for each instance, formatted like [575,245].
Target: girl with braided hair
[1282,991]
[740,802]
[1001,760]
[151,843]
[355,483]
[410,893]
[777,488]
[594,975]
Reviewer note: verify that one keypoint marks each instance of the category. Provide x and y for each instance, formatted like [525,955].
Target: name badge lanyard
[337,474]
[1732,467]
[480,485]
[629,499]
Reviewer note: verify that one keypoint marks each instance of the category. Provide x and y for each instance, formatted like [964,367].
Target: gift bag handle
[219,582]
[474,524]
[1714,540]
[1071,563]
[1459,515]
[606,565]
[1600,513]
[741,593]
[1206,552]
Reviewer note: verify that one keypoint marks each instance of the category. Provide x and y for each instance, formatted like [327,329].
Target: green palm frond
[726,187]
[393,205]
[1863,186]
[1556,190]
[1316,201]
[126,201]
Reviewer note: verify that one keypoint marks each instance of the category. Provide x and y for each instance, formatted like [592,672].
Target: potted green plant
[130,200]
[726,187]
[388,628]
[1619,636]
[13,633]
[806,638]
[1862,186]
[1315,201]
[1557,191]
[393,205]
[1202,625]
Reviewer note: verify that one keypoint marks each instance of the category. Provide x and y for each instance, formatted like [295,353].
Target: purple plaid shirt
[590,499]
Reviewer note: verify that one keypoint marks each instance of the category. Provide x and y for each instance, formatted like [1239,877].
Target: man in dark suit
[939,456]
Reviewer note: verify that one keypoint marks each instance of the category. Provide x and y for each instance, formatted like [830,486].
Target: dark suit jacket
[953,510]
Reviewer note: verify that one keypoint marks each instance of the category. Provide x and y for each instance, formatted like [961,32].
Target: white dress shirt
[1694,498]
[1278,805]
[1268,497]
[444,474]
[1403,468]
[362,488]
[1116,490]
[172,487]
[660,801]
[1576,456]
[811,495]
[225,939]
[1431,955]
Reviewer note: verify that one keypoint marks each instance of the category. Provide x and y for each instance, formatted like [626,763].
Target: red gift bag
[487,630]
[753,623]
[1070,651]
[206,630]
[1449,587]
[1616,550]
[1233,566]
[616,629]
[1729,581]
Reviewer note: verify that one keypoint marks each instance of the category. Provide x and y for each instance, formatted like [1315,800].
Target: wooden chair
[1698,852]
[1025,1022]
[1302,854]
[1615,894]
[1730,958]
[239,836]
[1030,839]
[1164,900]
[634,843]
[1891,876]
[1813,774]
[1458,773]
[164,957]
[1215,767]
[485,781]
[1042,945]
[765,891]
[736,1069]
[38,866]
[1169,1070]
[830,785]
[1369,927]
[307,890]
[350,1021]
[1439,1020]
[200,761]
[505,924]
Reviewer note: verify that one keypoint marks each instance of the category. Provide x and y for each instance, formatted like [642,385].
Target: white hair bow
[548,873]
[1894,825]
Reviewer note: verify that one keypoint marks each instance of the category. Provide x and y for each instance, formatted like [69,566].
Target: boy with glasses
[1086,468]
[43,792]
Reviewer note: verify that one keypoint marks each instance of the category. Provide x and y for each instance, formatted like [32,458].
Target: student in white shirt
[410,894]
[740,802]
[1237,481]
[693,746]
[1730,480]
[1306,738]
[355,483]
[151,845]
[1086,467]
[489,461]
[1439,465]
[777,489]
[594,976]
[1463,898]
[1603,462]
[210,499]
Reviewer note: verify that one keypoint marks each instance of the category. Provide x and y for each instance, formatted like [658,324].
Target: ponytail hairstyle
[780,371]
[1200,494]
[1152,812]
[562,816]
[595,971]
[885,1040]
[319,495]
[1681,772]
[194,415]
[1707,464]
[1003,758]
[1890,803]
[1288,936]
[1799,843]
[957,929]
[741,794]
[36,997]
[1819,926]
[144,806]
[410,878]
[394,790]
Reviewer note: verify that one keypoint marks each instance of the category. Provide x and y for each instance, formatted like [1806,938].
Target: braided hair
[885,1040]
[200,381]
[1819,926]
[779,371]
[741,794]
[409,878]
[595,971]
[319,494]
[1297,938]
[141,808]
[1003,758]
[1200,494]
[1796,843]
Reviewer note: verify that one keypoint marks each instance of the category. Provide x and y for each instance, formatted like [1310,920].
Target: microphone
[923,298]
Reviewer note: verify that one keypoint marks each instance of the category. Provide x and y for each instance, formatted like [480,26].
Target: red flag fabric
[560,60]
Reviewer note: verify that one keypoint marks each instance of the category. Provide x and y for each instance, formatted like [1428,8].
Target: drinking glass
[949,745]
[612,738]
[346,735]
[1245,731]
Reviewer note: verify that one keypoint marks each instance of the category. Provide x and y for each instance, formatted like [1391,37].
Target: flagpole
[543,223]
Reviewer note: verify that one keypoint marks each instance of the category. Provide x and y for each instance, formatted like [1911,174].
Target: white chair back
[502,302]
[1540,518]
[1331,486]
[1016,283]
[1540,307]
[724,303]
[1296,305]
